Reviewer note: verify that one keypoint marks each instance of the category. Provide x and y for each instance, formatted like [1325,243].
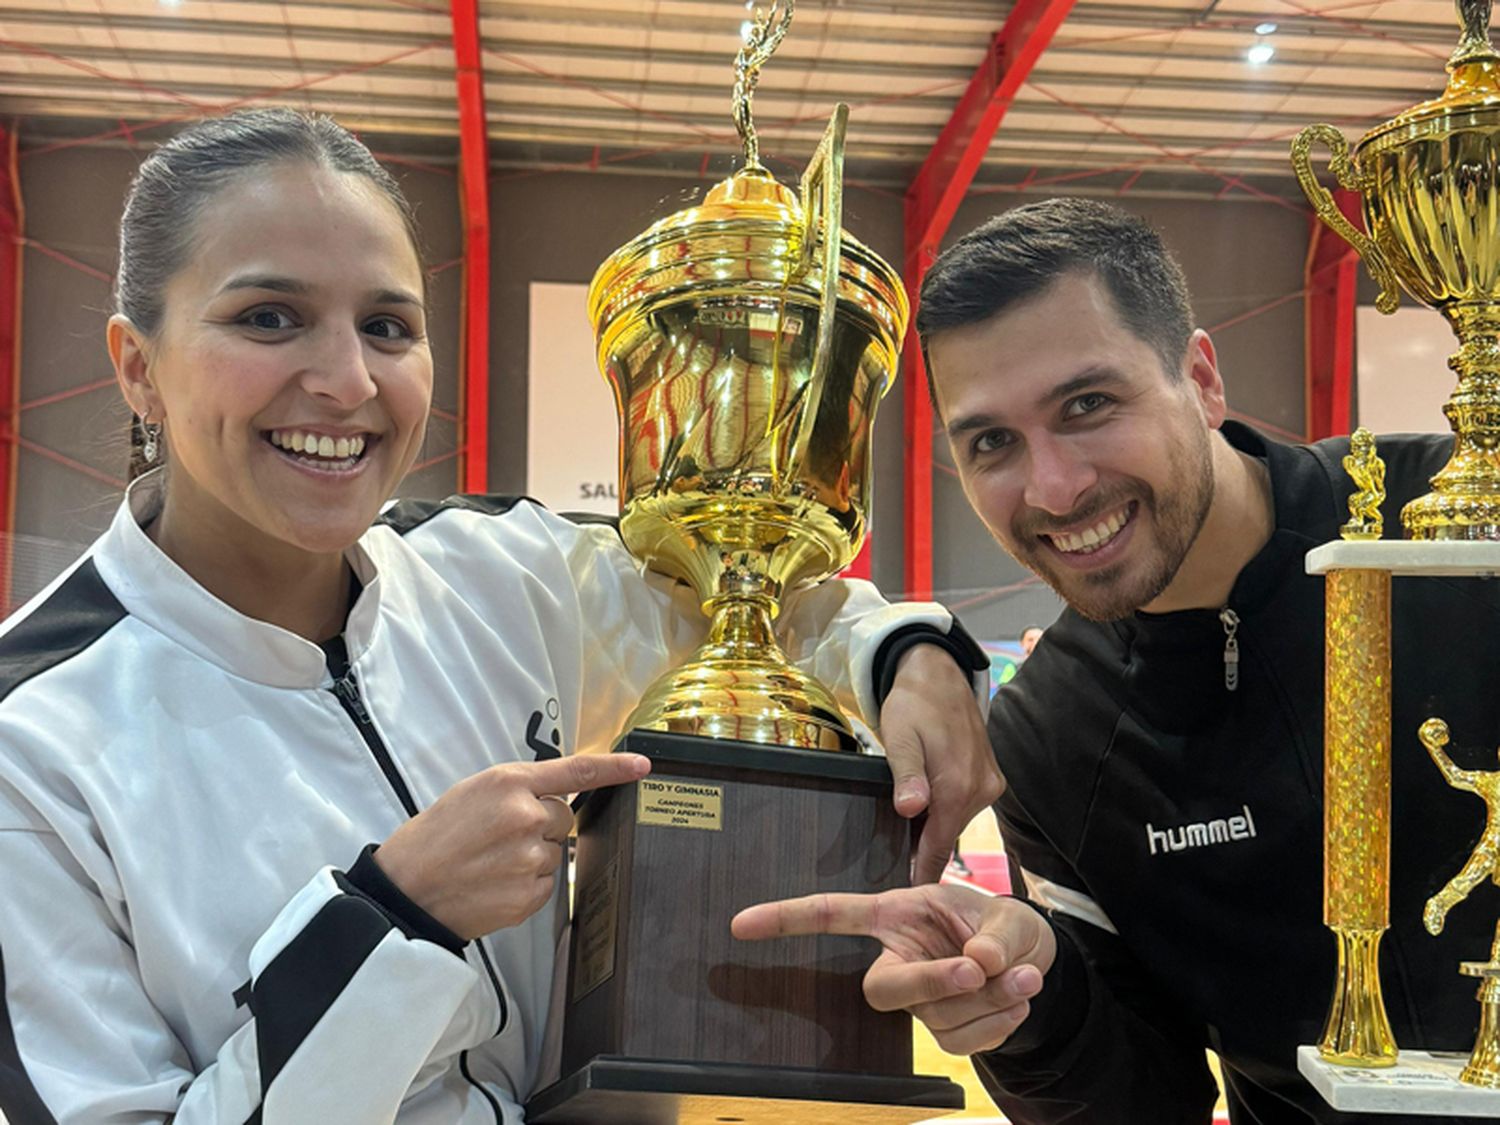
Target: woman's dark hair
[179,178]
[1019,253]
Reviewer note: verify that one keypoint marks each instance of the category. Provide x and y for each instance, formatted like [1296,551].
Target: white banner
[1402,368]
[572,437]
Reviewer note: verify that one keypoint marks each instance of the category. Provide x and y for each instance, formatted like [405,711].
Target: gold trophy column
[1357,779]
[1356,811]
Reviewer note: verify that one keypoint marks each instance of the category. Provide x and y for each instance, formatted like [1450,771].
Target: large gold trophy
[747,341]
[1429,184]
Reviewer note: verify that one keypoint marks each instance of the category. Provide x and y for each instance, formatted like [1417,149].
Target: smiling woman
[297,323]
[255,675]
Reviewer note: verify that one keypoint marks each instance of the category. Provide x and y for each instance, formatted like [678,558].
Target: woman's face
[291,369]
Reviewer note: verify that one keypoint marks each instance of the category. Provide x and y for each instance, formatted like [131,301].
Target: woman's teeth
[1091,539]
[318,445]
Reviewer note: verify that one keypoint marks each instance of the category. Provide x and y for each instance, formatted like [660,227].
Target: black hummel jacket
[1172,829]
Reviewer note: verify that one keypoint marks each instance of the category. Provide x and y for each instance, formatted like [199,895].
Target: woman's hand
[485,855]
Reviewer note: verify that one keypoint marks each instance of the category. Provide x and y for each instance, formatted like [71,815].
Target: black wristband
[956,642]
[369,880]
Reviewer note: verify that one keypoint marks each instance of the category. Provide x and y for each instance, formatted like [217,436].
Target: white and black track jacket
[183,789]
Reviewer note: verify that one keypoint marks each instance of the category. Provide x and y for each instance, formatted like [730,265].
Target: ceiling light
[1266,28]
[1260,53]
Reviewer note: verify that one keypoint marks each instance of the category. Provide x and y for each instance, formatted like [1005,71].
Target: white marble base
[1455,558]
[1420,1083]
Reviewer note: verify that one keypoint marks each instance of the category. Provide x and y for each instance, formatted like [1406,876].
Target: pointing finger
[814,914]
[934,846]
[578,773]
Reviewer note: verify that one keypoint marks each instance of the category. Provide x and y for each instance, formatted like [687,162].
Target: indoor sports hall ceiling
[1129,96]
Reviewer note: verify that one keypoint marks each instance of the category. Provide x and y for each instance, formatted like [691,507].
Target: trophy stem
[739,684]
[1465,499]
[1358,1032]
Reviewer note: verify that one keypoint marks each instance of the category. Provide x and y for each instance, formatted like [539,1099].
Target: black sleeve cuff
[370,881]
[956,642]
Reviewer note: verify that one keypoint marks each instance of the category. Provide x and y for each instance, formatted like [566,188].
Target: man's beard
[1176,517]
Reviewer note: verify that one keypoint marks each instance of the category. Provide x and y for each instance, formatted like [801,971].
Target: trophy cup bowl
[748,343]
[1429,185]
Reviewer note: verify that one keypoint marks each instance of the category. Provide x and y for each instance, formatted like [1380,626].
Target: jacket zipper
[1231,621]
[346,690]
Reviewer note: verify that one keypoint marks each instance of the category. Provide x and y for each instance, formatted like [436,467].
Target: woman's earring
[150,441]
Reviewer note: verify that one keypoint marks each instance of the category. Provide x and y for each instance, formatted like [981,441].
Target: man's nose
[1058,475]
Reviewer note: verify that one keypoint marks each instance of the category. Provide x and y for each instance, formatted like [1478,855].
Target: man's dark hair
[1019,253]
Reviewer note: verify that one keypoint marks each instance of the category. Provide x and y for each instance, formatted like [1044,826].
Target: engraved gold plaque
[668,803]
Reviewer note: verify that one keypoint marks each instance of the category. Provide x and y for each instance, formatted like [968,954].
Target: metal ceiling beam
[1017,147]
[931,202]
[920,101]
[474,194]
[807,128]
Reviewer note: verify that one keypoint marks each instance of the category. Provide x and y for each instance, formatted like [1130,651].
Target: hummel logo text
[1201,834]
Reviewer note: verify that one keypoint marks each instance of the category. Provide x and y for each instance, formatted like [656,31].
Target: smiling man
[1164,746]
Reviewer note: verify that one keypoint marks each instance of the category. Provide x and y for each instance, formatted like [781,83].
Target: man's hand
[964,964]
[939,753]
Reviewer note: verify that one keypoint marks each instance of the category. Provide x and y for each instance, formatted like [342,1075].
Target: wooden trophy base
[669,1020]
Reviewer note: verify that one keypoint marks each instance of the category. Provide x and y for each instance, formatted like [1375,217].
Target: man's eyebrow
[961,426]
[1089,378]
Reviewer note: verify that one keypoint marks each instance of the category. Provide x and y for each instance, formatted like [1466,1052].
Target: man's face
[1029,639]
[1089,462]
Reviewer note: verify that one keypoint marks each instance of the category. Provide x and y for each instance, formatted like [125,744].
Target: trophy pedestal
[668,1018]
[1421,1084]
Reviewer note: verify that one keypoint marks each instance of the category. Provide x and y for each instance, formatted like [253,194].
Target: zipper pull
[1231,622]
[348,690]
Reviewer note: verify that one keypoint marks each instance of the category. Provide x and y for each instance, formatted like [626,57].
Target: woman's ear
[130,352]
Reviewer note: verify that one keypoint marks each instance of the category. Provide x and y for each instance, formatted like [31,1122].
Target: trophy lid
[747,239]
[1472,95]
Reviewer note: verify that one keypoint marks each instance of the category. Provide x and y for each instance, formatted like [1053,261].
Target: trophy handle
[1322,200]
[822,192]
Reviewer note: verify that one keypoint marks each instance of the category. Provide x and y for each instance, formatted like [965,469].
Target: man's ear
[130,353]
[1200,368]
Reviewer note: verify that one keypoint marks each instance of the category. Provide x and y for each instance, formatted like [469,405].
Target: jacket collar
[1174,673]
[159,593]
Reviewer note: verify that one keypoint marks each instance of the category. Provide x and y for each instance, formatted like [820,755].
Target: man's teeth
[318,445]
[1091,539]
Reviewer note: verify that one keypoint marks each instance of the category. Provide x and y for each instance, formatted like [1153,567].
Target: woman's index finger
[813,914]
